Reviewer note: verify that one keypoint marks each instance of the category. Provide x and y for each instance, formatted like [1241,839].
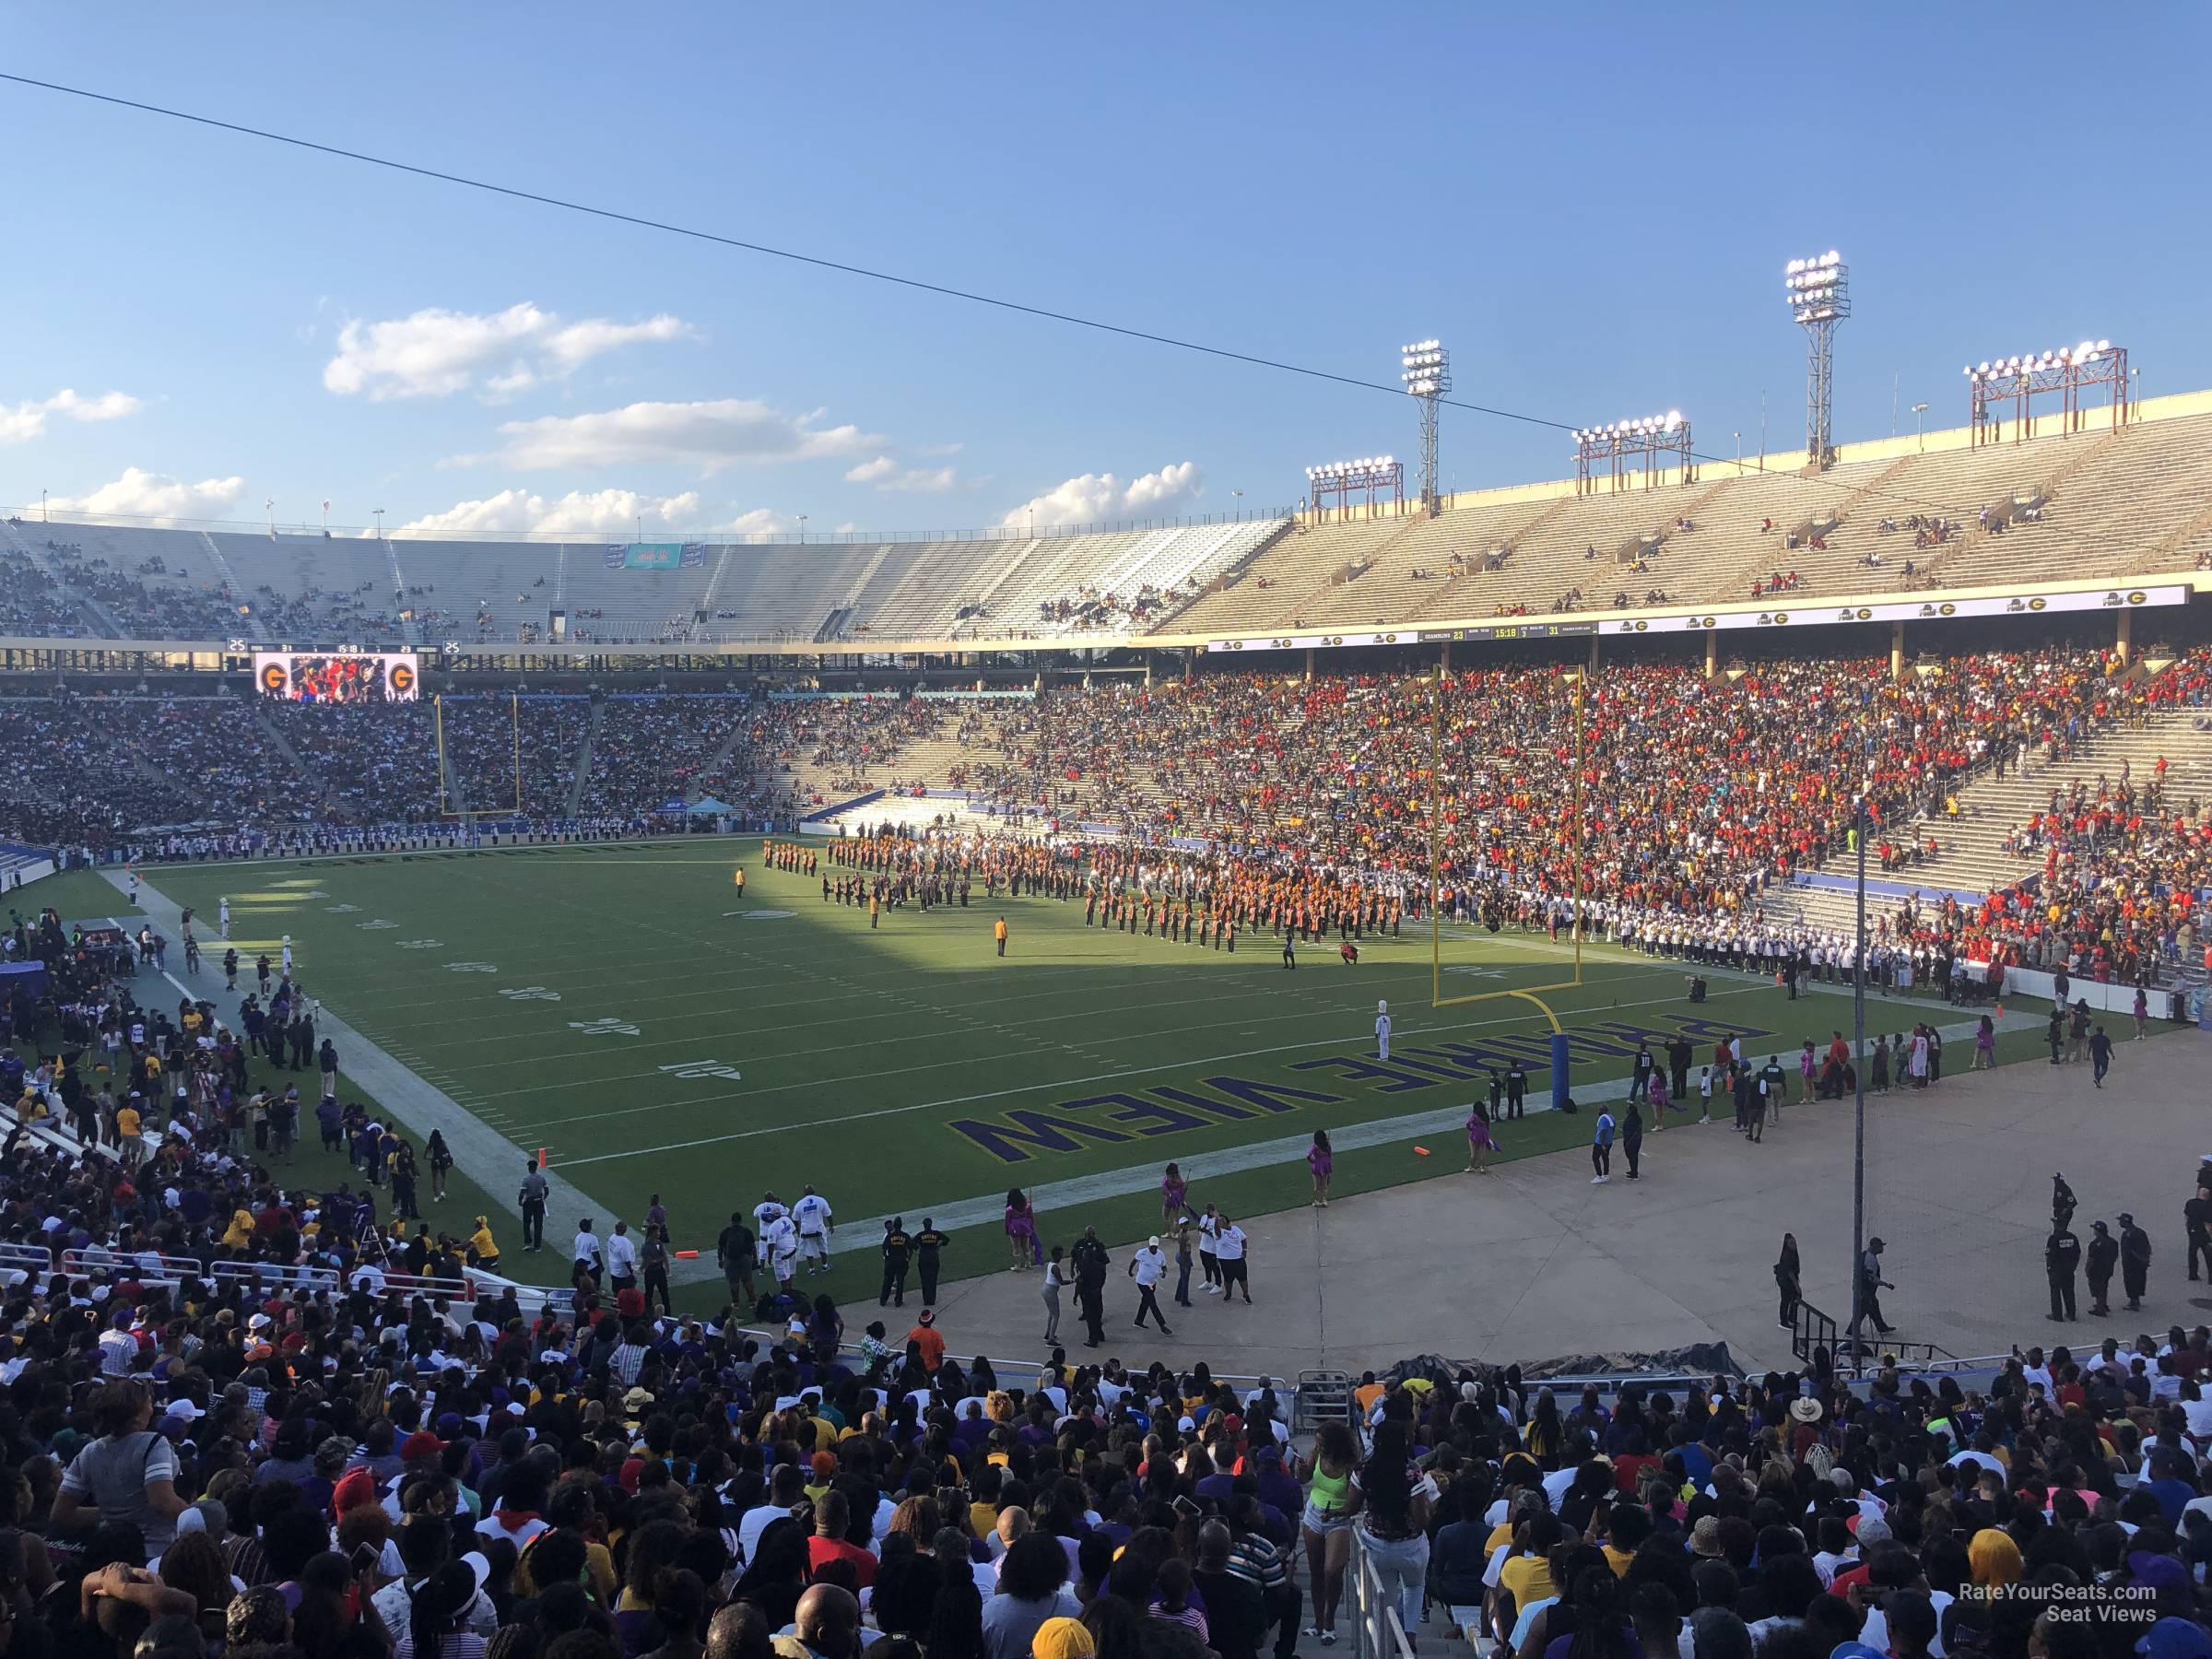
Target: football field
[618,1006]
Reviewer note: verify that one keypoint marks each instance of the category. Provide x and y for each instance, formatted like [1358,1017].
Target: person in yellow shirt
[240,1233]
[998,932]
[127,1124]
[1527,1577]
[482,1252]
[737,876]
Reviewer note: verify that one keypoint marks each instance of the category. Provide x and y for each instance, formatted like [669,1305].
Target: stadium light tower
[1428,376]
[1820,294]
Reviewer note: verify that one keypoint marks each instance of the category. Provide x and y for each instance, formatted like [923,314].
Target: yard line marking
[1127,1071]
[918,1010]
[1034,1048]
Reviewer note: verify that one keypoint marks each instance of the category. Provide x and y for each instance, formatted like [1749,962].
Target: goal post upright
[449,803]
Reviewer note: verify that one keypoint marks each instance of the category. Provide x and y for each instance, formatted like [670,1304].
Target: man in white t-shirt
[621,1259]
[1382,1031]
[811,1214]
[1209,1261]
[1148,1267]
[1228,1248]
[587,1253]
[779,1243]
[766,1211]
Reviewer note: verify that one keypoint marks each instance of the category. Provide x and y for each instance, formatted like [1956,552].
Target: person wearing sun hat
[1804,1423]
[929,1339]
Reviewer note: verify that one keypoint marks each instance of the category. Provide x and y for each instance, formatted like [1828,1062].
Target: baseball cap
[422,1443]
[1069,1638]
[2175,1639]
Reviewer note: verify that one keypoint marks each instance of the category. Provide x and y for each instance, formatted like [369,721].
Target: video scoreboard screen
[337,677]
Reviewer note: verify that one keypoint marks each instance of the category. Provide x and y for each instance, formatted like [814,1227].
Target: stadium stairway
[584,752]
[282,742]
[456,797]
[102,622]
[1973,860]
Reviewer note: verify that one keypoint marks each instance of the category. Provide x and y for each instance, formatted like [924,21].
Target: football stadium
[1529,1062]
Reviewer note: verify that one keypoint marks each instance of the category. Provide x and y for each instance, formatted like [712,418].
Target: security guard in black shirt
[2104,1255]
[897,1249]
[2134,1259]
[2196,1217]
[2062,1260]
[1516,1089]
[927,1243]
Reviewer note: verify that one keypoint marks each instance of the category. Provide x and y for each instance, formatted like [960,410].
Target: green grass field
[603,1003]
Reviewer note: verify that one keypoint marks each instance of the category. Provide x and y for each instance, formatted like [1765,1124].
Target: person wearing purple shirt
[1271,1486]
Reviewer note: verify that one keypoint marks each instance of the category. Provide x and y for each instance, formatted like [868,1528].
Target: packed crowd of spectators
[516,754]
[845,742]
[1709,785]
[216,750]
[67,777]
[1702,793]
[651,749]
[2120,863]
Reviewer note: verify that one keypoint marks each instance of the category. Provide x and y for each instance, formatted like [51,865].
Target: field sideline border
[412,852]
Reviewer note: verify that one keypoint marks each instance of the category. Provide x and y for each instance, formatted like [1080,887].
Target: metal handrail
[1377,1633]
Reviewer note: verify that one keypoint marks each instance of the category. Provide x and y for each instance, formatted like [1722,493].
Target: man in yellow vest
[998,932]
[739,877]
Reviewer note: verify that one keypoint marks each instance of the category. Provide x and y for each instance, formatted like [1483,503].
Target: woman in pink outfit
[1021,1230]
[1323,1162]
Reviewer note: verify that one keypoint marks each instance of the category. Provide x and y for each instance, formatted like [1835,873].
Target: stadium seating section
[2096,504]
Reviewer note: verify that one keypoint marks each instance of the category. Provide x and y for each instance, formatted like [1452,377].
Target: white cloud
[1101,498]
[922,480]
[139,494]
[709,435]
[435,353]
[596,512]
[758,522]
[22,422]
[889,478]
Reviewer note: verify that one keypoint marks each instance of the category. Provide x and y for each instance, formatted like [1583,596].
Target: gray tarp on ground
[1700,1358]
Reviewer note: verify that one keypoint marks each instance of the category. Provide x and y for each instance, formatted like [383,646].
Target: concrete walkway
[1533,1262]
[492,1161]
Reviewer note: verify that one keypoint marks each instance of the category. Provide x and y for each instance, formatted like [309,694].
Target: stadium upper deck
[1893,518]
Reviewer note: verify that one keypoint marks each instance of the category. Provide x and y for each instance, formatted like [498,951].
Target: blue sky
[1592,207]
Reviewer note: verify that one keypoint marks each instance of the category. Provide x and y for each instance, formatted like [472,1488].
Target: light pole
[378,513]
[802,529]
[45,516]
[1427,377]
[1920,426]
[1236,495]
[1739,454]
[1819,298]
[1858,1042]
